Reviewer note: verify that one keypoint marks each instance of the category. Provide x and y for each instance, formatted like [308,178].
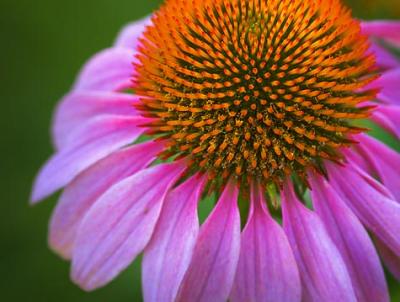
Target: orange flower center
[254,88]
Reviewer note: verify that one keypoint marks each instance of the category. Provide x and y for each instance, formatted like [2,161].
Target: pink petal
[267,270]
[352,240]
[384,58]
[384,160]
[99,138]
[168,254]
[120,224]
[130,34]
[391,260]
[109,70]
[79,106]
[367,199]
[357,159]
[384,29]
[388,118]
[211,272]
[85,189]
[388,83]
[322,269]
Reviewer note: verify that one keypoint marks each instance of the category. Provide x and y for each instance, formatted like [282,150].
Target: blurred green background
[43,45]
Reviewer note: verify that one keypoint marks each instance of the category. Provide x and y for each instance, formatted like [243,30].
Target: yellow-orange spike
[253,88]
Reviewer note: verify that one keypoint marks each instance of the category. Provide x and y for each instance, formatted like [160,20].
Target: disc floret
[258,89]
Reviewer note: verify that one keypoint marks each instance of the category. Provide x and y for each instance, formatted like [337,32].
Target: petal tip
[36,195]
[83,284]
[63,251]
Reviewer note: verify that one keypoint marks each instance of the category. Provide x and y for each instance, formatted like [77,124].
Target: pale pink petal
[367,199]
[79,106]
[322,270]
[267,270]
[388,117]
[109,70]
[120,224]
[391,260]
[385,162]
[352,240]
[385,29]
[99,138]
[384,58]
[87,187]
[168,254]
[129,35]
[211,272]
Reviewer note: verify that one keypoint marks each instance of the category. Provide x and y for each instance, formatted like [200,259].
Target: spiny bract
[254,88]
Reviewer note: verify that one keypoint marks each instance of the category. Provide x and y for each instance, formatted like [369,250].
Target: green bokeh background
[43,45]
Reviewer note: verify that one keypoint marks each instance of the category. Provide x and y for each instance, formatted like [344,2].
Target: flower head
[259,103]
[259,89]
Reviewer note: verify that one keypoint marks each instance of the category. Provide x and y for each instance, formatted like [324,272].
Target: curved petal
[129,35]
[99,138]
[267,270]
[384,58]
[382,29]
[120,224]
[80,106]
[388,118]
[109,70]
[352,240]
[85,189]
[388,83]
[322,269]
[367,199]
[354,156]
[211,272]
[168,254]
[386,164]
[391,260]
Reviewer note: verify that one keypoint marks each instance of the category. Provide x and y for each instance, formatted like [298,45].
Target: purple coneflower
[258,103]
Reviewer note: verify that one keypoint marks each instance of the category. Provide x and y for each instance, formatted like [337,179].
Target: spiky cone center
[257,89]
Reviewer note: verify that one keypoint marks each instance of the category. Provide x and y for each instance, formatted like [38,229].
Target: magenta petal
[385,162]
[211,272]
[388,118]
[109,70]
[388,83]
[129,35]
[120,224]
[322,270]
[384,58]
[382,29]
[352,240]
[391,260]
[99,138]
[82,193]
[79,106]
[358,159]
[168,254]
[367,199]
[267,270]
